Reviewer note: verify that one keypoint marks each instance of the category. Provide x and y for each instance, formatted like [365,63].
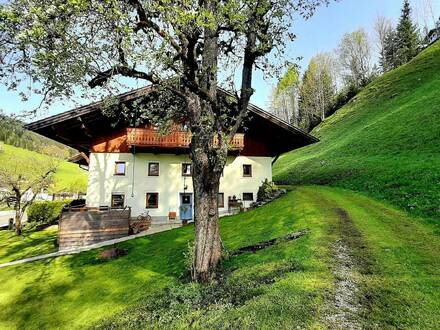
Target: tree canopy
[66,47]
[284,98]
[355,57]
[317,90]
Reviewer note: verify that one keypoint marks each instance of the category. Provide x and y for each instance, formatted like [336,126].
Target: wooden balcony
[147,137]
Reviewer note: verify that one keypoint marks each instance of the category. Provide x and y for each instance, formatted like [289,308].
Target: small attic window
[247,170]
[120,168]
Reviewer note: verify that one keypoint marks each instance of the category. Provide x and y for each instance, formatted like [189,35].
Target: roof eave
[87,109]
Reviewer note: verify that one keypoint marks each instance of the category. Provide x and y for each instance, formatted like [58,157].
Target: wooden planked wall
[85,227]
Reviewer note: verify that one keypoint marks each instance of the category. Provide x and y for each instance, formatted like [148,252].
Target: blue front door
[186,206]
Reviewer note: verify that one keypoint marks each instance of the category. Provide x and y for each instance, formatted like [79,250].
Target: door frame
[192,205]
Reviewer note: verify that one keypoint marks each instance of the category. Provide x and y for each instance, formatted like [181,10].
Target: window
[152,201]
[153,169]
[248,196]
[120,168]
[118,200]
[221,200]
[186,169]
[247,170]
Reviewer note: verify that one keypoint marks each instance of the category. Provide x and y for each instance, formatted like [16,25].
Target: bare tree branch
[102,77]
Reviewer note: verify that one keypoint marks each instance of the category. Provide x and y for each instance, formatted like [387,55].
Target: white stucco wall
[170,182]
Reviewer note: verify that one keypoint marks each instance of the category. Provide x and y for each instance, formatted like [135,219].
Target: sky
[321,33]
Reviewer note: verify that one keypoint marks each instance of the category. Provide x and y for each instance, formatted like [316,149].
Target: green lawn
[384,143]
[29,244]
[69,177]
[291,284]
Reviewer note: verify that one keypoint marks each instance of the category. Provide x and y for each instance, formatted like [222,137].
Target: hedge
[45,212]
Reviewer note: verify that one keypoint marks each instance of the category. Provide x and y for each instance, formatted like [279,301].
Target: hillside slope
[386,142]
[13,133]
[68,178]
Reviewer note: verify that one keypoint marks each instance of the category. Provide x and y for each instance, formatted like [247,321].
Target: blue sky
[320,33]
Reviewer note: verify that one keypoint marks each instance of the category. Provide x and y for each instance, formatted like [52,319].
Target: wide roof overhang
[81,127]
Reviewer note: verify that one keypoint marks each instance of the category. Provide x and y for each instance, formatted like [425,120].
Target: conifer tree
[407,34]
[383,27]
[390,61]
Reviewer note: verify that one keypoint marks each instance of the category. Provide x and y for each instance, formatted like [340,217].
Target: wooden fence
[85,226]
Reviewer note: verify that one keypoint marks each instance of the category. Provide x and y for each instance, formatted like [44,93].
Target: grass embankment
[396,266]
[384,143]
[29,244]
[69,177]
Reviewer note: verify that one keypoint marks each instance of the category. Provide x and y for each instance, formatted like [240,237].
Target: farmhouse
[137,166]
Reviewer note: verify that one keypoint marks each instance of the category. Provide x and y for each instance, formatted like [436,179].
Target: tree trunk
[207,252]
[208,161]
[18,217]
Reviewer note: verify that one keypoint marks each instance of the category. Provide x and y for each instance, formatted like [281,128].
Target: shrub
[266,191]
[189,258]
[45,213]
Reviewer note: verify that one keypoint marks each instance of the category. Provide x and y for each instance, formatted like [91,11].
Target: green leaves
[65,44]
[290,78]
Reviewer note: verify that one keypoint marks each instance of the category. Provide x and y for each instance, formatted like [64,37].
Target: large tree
[390,59]
[427,14]
[383,28]
[317,90]
[284,98]
[24,177]
[407,36]
[187,46]
[354,54]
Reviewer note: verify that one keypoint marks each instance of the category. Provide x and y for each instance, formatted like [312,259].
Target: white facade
[169,184]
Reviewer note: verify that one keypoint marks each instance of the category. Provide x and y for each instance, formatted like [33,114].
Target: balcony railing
[147,137]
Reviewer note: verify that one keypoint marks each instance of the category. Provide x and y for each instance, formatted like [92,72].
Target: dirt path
[346,307]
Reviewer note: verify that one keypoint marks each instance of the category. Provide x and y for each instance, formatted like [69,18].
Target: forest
[13,133]
[332,79]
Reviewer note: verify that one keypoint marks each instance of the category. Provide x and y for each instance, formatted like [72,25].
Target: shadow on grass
[191,304]
[56,289]
[29,244]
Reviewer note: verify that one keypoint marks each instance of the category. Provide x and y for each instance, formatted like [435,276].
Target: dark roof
[79,127]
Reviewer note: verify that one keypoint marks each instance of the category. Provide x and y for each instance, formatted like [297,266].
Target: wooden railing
[147,137]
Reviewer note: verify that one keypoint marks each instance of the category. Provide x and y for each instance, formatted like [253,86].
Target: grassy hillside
[13,133]
[69,177]
[386,142]
[394,266]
